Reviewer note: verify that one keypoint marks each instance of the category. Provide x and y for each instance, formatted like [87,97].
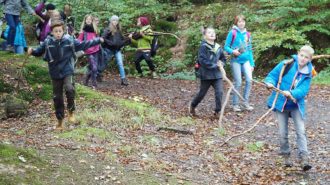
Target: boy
[210,58]
[296,83]
[59,52]
[143,41]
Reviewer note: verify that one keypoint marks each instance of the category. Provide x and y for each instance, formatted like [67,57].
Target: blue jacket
[19,37]
[241,42]
[208,57]
[297,82]
[60,54]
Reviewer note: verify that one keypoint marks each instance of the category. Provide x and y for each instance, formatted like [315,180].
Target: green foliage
[255,147]
[323,77]
[4,87]
[282,27]
[183,75]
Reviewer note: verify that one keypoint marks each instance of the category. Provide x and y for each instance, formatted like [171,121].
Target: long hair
[113,28]
[84,24]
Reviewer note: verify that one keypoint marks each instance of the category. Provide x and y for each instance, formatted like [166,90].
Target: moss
[36,73]
[9,155]
[5,88]
[81,134]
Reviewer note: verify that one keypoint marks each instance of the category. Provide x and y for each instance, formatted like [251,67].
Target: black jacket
[208,57]
[114,42]
[60,54]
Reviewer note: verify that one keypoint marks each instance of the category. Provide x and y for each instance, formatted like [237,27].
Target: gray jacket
[14,7]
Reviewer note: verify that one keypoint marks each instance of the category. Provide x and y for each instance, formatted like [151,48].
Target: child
[89,31]
[12,11]
[69,20]
[210,58]
[238,43]
[113,42]
[143,41]
[59,52]
[19,42]
[45,25]
[296,83]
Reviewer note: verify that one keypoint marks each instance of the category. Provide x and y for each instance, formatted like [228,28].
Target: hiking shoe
[99,78]
[216,114]
[72,118]
[59,125]
[287,161]
[237,108]
[192,111]
[124,82]
[304,162]
[247,107]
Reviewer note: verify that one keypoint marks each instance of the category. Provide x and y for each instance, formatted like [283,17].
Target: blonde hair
[84,23]
[308,49]
[114,29]
[55,15]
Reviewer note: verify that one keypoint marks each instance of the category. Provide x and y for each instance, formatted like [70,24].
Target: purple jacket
[45,30]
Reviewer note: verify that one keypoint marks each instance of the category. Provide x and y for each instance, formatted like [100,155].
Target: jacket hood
[307,69]
[236,28]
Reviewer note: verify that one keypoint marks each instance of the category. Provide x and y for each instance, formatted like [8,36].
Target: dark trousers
[92,67]
[139,56]
[12,21]
[67,84]
[217,84]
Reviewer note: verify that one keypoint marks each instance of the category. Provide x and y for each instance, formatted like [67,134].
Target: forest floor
[118,140]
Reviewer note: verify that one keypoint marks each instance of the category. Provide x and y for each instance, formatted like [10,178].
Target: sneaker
[192,111]
[304,163]
[287,161]
[154,74]
[247,107]
[124,82]
[237,108]
[10,48]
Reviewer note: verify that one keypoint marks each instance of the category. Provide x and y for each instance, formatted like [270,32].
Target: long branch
[224,106]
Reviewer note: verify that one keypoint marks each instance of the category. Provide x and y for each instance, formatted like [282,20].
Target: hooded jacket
[144,43]
[242,42]
[60,54]
[114,42]
[296,81]
[208,57]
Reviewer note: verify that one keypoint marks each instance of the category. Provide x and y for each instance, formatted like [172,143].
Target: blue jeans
[119,60]
[237,70]
[283,118]
[19,49]
[12,21]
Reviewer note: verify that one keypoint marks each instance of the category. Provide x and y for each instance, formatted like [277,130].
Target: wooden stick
[224,106]
[275,89]
[224,76]
[320,56]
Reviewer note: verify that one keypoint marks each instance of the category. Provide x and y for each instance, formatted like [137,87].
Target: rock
[10,106]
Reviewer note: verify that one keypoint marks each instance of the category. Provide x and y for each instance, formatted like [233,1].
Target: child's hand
[141,33]
[29,51]
[130,35]
[269,85]
[236,52]
[287,94]
[101,39]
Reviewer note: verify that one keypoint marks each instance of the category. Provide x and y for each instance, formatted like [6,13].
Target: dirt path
[149,156]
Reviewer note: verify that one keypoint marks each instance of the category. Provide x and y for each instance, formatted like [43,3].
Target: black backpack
[154,45]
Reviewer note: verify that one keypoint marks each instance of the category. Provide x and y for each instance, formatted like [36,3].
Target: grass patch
[255,147]
[184,75]
[81,134]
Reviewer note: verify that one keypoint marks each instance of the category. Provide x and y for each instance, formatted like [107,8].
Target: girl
[210,58]
[238,44]
[19,42]
[114,41]
[143,42]
[89,31]
[45,25]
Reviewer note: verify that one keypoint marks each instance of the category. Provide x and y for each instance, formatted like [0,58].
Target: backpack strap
[287,68]
[234,34]
[51,59]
